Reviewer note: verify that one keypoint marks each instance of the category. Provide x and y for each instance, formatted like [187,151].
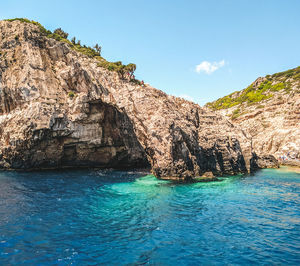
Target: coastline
[295,163]
[289,168]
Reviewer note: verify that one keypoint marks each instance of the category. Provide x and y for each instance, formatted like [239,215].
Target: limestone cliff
[269,113]
[60,108]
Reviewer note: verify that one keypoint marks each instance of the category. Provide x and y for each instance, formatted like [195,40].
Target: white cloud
[209,67]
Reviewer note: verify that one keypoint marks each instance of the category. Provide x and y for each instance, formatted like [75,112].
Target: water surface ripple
[112,217]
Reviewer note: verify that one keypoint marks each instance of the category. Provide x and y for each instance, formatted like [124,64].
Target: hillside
[63,105]
[268,111]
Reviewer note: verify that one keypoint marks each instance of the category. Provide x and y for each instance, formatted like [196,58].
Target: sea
[108,217]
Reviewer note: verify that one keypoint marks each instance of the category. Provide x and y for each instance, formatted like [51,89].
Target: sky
[199,50]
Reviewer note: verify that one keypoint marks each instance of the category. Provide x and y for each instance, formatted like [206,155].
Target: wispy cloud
[209,67]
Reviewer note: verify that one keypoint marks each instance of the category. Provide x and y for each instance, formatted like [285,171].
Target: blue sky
[201,50]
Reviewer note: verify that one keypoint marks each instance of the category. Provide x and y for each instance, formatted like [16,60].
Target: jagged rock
[110,122]
[272,123]
[264,161]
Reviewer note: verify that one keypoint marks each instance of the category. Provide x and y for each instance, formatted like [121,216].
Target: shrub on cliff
[130,68]
[236,113]
[249,95]
[71,94]
[95,52]
[278,87]
[118,67]
[291,73]
[98,48]
[42,29]
[282,81]
[61,33]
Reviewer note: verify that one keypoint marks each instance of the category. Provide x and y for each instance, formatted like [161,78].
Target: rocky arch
[105,138]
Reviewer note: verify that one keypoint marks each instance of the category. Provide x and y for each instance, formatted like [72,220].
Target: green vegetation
[95,52]
[252,95]
[98,48]
[71,94]
[61,33]
[249,95]
[277,87]
[291,73]
[236,113]
[119,68]
[42,29]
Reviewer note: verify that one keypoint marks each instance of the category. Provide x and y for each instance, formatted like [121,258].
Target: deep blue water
[109,217]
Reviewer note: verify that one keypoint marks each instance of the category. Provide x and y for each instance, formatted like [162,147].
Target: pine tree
[61,33]
[98,48]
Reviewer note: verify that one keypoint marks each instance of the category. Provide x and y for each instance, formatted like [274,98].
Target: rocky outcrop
[268,111]
[59,108]
[264,161]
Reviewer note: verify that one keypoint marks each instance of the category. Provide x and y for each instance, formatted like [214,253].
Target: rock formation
[269,113]
[59,108]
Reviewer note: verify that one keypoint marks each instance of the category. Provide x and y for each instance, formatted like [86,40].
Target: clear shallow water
[109,217]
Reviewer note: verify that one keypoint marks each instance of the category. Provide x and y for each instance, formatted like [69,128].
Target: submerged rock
[59,108]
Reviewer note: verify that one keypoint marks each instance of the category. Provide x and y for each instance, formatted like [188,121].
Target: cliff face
[269,113]
[59,108]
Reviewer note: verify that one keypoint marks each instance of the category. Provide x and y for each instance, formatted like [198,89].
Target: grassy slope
[256,93]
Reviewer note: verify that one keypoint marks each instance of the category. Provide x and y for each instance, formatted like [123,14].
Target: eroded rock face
[104,138]
[273,124]
[264,161]
[109,122]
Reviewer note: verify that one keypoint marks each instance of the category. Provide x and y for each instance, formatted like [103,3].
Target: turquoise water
[110,217]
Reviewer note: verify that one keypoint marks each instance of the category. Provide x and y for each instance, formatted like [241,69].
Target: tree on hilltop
[130,68]
[98,48]
[61,33]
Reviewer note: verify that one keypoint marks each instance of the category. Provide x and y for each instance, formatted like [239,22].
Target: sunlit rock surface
[109,122]
[272,123]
